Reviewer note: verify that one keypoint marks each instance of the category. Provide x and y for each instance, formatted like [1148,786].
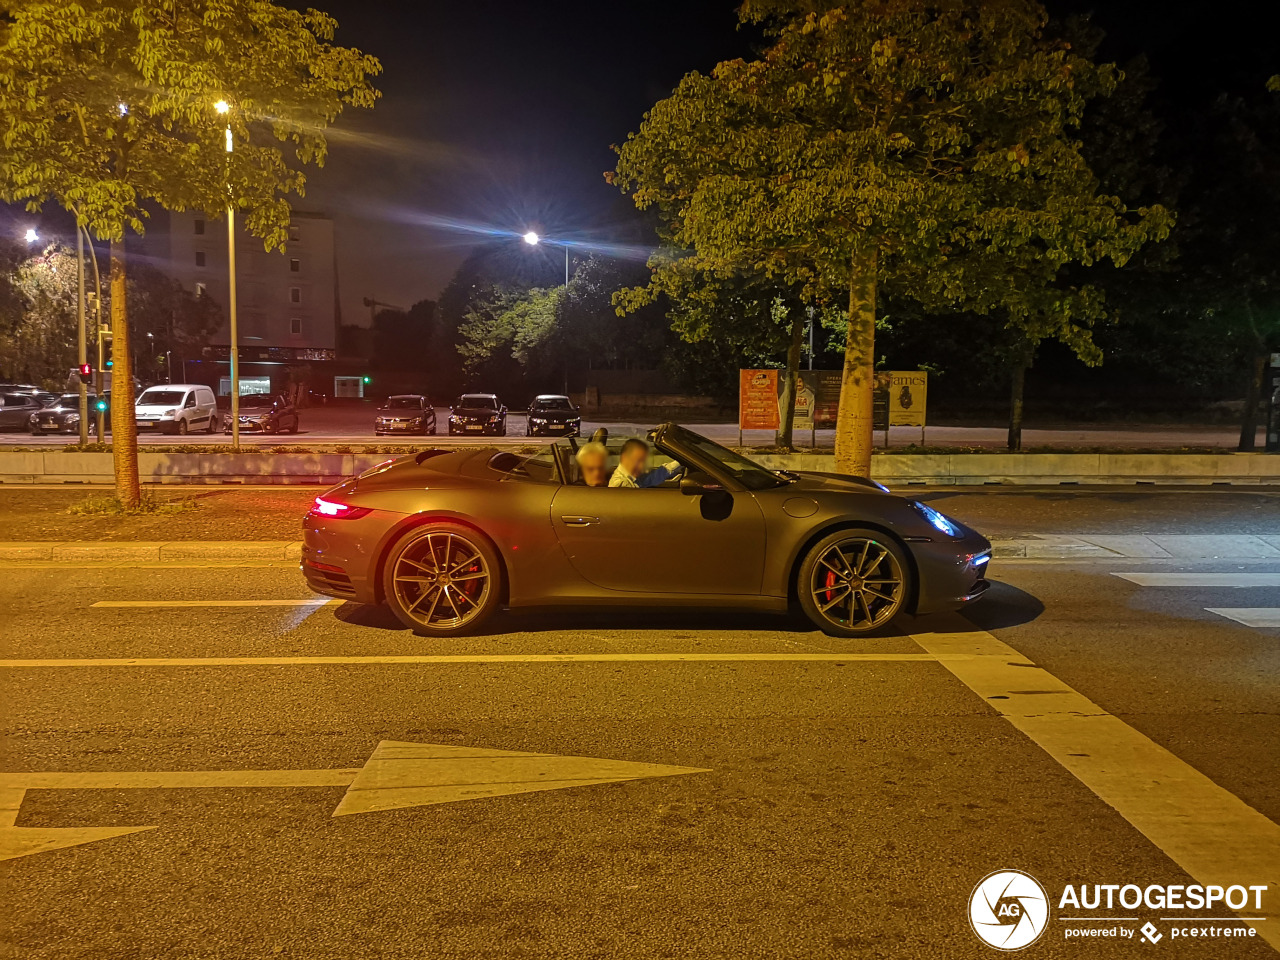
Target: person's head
[593,462]
[633,456]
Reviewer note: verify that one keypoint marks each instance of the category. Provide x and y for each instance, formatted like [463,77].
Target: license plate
[473,427]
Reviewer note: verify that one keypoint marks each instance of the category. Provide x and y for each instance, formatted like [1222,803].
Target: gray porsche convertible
[447,536]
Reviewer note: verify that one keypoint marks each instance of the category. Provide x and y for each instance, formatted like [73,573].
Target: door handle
[579,521]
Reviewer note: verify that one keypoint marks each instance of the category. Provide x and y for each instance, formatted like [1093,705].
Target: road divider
[894,469]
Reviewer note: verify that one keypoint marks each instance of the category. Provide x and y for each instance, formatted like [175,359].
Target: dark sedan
[405,413]
[265,413]
[480,414]
[16,410]
[553,415]
[446,536]
[63,415]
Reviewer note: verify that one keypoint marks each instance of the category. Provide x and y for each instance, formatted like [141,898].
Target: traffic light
[86,372]
[100,406]
[368,379]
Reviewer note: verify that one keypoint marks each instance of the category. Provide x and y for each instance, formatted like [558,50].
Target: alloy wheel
[857,584]
[441,580]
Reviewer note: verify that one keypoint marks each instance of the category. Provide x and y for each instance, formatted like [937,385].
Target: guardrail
[960,469]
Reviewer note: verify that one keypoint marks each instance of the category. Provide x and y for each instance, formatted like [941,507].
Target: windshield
[162,398]
[552,403]
[404,403]
[480,400]
[257,400]
[750,474]
[69,400]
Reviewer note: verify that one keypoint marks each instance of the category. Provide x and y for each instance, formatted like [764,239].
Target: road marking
[1250,616]
[1209,832]
[396,776]
[1238,579]
[305,602]
[495,658]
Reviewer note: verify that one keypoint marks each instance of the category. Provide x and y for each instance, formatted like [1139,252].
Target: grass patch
[149,505]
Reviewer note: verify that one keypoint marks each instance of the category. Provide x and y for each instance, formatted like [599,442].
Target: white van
[176,408]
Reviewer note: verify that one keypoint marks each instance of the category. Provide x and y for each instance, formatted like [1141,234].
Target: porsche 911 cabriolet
[447,536]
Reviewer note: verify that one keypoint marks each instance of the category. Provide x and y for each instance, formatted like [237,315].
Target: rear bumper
[340,557]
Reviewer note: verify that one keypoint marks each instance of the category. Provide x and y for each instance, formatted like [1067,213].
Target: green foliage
[109,105]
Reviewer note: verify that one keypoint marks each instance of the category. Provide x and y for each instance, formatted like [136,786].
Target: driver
[593,464]
[631,463]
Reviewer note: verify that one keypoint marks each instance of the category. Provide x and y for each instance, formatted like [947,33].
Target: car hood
[813,481]
[476,411]
[559,415]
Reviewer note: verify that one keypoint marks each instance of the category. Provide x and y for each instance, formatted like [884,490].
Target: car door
[660,541]
[16,411]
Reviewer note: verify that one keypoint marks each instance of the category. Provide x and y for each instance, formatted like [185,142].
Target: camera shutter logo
[1009,910]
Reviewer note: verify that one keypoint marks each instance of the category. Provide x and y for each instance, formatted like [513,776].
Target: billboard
[757,399]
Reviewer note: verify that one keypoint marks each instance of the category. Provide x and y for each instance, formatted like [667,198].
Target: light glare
[531,238]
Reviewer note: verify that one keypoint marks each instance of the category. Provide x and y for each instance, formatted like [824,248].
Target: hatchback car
[405,413]
[552,415]
[63,415]
[180,408]
[266,413]
[478,413]
[16,410]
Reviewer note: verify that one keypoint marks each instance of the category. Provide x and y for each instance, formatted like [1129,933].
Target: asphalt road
[838,798]
[344,423]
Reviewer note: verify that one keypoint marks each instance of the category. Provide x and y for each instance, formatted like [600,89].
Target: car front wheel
[853,582]
[182,428]
[442,579]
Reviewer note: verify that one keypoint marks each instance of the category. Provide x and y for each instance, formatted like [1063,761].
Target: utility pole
[82,345]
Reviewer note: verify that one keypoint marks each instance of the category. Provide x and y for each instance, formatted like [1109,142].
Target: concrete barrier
[893,469]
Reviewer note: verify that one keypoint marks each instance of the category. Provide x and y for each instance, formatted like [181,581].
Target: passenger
[593,463]
[631,463]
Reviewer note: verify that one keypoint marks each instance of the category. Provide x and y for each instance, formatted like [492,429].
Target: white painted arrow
[397,775]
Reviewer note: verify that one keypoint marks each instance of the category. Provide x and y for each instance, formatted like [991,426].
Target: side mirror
[692,487]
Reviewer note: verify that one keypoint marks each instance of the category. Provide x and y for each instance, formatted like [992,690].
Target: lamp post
[223,108]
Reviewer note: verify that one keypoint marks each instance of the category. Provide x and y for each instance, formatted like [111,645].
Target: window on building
[294,233]
[295,326]
[199,289]
[199,227]
[199,258]
[295,294]
[295,265]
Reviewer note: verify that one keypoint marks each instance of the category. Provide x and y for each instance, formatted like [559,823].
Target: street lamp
[532,239]
[224,108]
[31,236]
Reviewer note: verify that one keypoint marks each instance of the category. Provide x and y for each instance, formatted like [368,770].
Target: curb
[163,551]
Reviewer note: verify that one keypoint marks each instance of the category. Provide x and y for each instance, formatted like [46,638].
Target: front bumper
[465,428]
[951,573]
[252,426]
[571,429]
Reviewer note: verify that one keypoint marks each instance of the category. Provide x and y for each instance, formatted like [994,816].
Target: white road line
[306,602]
[1209,832]
[495,658]
[1250,616]
[1238,579]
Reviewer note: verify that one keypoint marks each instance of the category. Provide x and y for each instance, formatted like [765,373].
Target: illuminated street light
[31,236]
[223,108]
[531,238]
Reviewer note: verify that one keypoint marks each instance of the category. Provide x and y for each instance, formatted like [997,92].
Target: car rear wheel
[853,582]
[442,579]
[213,423]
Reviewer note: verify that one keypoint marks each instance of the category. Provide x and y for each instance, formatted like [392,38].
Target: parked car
[63,415]
[265,413]
[176,408]
[16,410]
[552,414]
[42,395]
[478,413]
[446,536]
[405,413]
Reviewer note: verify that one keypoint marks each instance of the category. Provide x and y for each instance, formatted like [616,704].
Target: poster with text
[757,399]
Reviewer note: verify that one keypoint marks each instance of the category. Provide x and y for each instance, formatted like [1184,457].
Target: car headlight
[937,520]
[73,418]
[33,418]
[415,422]
[538,420]
[168,413]
[495,418]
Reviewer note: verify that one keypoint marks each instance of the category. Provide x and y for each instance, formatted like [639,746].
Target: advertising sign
[757,399]
[907,392]
[806,400]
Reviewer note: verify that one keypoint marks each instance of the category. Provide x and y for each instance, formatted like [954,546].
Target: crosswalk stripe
[305,602]
[1238,579]
[1250,616]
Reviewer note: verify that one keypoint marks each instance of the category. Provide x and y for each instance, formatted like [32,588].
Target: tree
[109,106]
[886,142]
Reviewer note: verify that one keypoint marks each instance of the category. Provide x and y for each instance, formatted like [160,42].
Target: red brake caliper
[831,581]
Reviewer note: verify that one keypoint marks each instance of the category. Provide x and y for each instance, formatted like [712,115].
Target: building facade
[286,303]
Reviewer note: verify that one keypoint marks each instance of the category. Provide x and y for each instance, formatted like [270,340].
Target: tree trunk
[787,403]
[124,429]
[1021,361]
[857,383]
[1253,393]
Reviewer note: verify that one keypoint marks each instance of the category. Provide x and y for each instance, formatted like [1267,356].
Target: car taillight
[337,511]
